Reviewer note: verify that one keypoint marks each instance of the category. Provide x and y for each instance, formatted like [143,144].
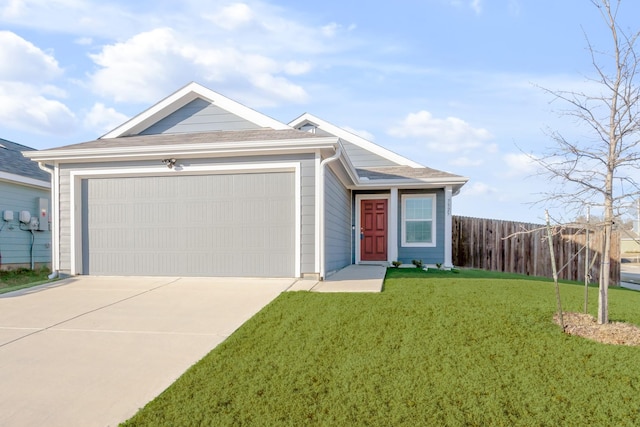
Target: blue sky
[452,84]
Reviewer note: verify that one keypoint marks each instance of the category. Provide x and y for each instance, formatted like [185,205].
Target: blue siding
[432,255]
[337,223]
[15,244]
[199,116]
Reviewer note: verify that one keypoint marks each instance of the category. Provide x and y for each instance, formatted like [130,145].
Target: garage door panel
[213,225]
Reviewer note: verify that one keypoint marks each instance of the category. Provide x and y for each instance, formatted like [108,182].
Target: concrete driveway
[91,351]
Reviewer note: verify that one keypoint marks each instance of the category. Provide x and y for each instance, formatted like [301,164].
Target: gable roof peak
[353,138]
[182,97]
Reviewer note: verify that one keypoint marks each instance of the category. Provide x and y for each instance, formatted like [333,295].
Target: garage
[229,224]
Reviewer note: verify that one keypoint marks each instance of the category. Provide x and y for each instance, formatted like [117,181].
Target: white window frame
[431,244]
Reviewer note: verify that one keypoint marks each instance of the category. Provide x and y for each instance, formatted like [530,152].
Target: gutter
[54,267]
[323,164]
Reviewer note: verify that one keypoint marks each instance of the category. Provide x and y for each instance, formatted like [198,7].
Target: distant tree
[600,169]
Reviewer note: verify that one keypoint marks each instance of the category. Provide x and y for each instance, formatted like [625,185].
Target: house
[25,239]
[201,185]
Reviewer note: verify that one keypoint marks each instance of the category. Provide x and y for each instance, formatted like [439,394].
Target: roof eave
[225,148]
[379,184]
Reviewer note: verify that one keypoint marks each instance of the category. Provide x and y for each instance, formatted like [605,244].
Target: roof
[403,172]
[14,163]
[188,145]
[345,135]
[190,138]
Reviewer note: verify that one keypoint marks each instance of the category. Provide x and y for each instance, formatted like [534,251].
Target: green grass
[13,280]
[437,348]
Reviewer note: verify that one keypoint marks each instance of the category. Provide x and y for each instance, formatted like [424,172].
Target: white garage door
[205,225]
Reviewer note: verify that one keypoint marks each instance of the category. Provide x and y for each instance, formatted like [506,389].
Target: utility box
[43,214]
[7,216]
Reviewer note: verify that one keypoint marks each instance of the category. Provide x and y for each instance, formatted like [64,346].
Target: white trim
[359,198]
[181,98]
[354,139]
[434,215]
[317,202]
[392,248]
[448,227]
[20,179]
[76,177]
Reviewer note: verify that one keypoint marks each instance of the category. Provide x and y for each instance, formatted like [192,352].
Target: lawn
[13,280]
[435,348]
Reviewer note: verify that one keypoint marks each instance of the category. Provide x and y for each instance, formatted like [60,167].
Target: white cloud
[519,165]
[296,68]
[478,189]
[233,16]
[447,135]
[103,119]
[27,99]
[20,60]
[149,65]
[476,5]
[466,161]
[23,107]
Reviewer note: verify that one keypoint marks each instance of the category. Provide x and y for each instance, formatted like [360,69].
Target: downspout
[323,163]
[54,257]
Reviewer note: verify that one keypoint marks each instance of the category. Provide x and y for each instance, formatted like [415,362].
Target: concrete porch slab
[354,278]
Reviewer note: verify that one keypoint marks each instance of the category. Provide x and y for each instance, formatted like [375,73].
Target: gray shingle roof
[403,172]
[12,161]
[264,134]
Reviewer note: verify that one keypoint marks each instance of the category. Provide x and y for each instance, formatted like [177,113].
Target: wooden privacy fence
[483,243]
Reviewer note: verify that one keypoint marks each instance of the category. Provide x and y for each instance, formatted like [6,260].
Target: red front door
[373,230]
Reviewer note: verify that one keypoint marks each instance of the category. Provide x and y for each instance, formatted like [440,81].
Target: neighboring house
[629,242]
[24,187]
[200,185]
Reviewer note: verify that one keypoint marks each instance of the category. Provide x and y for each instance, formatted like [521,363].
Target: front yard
[434,348]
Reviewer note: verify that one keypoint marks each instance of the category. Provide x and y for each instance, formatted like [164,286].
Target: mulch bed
[585,325]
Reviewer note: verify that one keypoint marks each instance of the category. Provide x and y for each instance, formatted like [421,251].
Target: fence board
[485,244]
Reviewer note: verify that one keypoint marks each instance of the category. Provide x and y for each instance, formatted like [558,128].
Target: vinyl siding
[428,255]
[15,244]
[337,221]
[199,116]
[361,158]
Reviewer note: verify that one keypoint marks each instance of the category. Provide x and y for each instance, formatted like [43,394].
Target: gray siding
[431,255]
[337,223]
[15,244]
[307,209]
[199,116]
[362,158]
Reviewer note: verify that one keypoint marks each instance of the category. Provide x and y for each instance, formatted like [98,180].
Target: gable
[199,115]
[361,153]
[145,121]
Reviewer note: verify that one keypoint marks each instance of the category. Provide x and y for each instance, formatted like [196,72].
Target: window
[418,220]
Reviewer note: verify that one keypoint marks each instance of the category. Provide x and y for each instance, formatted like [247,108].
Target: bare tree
[600,169]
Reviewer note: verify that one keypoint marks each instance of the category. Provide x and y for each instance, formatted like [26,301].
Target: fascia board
[296,145]
[354,139]
[24,180]
[408,183]
[182,97]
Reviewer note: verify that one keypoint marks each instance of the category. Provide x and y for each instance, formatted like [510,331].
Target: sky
[456,85]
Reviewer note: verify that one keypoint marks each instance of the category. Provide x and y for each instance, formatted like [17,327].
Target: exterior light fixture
[169,163]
